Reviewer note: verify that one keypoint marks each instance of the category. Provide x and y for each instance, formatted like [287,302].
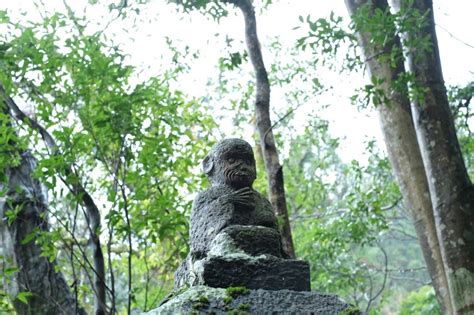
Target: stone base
[263,272]
[205,300]
[249,256]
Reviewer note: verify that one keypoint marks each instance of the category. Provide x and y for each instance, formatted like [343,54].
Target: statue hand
[243,196]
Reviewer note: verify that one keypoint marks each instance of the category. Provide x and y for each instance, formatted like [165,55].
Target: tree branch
[384,280]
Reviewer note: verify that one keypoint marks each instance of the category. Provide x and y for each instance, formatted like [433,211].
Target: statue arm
[208,217]
[265,215]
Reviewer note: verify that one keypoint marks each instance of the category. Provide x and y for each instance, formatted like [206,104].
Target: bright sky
[144,42]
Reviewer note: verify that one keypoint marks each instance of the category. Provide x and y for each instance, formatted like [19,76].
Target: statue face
[238,168]
[231,162]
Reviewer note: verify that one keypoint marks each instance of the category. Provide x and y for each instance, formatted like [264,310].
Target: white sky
[144,42]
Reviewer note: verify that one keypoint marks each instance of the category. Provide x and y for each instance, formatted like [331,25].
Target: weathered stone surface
[231,200]
[205,300]
[265,272]
[252,240]
[181,275]
[214,210]
[234,236]
[239,269]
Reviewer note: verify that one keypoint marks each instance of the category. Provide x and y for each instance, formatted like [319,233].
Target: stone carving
[234,233]
[236,262]
[230,201]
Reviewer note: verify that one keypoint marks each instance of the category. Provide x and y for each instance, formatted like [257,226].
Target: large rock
[205,300]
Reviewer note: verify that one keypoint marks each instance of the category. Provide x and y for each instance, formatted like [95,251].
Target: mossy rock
[240,300]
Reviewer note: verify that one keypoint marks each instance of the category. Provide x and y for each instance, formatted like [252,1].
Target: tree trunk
[452,193]
[50,293]
[402,147]
[276,190]
[92,212]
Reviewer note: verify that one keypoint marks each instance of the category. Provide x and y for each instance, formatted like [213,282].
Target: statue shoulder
[261,198]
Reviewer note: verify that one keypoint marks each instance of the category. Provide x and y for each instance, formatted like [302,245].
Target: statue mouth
[240,177]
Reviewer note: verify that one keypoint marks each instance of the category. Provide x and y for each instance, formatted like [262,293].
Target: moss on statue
[201,302]
[236,291]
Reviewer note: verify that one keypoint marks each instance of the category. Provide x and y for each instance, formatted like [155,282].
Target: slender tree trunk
[92,212]
[451,190]
[36,274]
[402,146]
[276,190]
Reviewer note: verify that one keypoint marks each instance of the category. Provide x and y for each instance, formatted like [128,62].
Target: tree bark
[92,214]
[402,147]
[276,190]
[452,193]
[49,291]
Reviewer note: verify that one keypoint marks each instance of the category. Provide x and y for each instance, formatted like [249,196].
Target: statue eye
[231,160]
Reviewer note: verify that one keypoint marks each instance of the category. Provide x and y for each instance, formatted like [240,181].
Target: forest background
[112,106]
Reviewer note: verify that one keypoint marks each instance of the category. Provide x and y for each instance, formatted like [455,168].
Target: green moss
[351,310]
[237,312]
[231,294]
[236,291]
[228,300]
[201,302]
[203,299]
[244,307]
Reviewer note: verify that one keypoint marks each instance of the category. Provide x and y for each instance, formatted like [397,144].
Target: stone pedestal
[206,300]
[265,272]
[248,256]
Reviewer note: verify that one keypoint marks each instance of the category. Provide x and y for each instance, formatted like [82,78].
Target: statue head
[231,162]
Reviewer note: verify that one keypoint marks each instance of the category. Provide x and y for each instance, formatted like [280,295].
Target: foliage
[460,102]
[132,145]
[421,302]
[328,37]
[331,40]
[214,8]
[338,213]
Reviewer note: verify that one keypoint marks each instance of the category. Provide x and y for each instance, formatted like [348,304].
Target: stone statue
[230,167]
[234,233]
[236,262]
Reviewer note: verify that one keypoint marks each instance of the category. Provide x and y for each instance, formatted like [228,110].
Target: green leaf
[4,19]
[23,296]
[10,270]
